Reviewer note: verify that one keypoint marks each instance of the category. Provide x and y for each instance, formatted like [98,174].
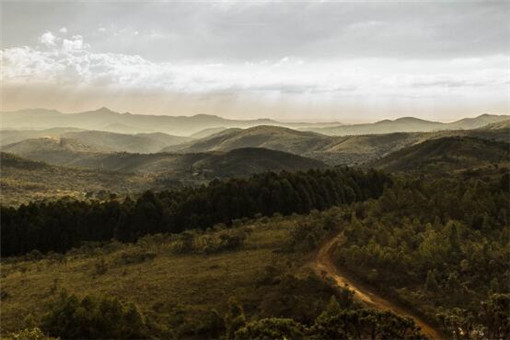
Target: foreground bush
[93,318]
[272,328]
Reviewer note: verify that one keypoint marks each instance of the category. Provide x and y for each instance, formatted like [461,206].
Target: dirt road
[323,265]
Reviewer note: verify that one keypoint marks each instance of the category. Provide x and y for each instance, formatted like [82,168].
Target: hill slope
[102,140]
[70,153]
[138,143]
[447,154]
[264,136]
[24,180]
[334,150]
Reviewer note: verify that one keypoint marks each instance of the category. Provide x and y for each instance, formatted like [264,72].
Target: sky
[287,60]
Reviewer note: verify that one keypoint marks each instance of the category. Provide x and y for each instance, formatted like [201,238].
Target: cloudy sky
[346,61]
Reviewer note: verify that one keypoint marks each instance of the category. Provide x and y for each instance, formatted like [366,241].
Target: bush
[137,256]
[93,318]
[272,328]
[100,267]
[28,334]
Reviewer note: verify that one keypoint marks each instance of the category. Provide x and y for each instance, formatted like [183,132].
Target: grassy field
[152,274]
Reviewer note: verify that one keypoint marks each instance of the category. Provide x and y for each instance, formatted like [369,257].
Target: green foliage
[496,316]
[363,324]
[272,328]
[306,235]
[28,334]
[301,299]
[93,318]
[191,242]
[434,242]
[234,318]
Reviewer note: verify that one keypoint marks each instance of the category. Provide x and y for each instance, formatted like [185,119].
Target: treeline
[64,224]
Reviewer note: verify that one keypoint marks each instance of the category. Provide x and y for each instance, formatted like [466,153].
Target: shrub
[272,328]
[92,318]
[28,334]
[100,267]
[137,256]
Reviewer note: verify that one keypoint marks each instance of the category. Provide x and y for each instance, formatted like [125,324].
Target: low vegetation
[148,289]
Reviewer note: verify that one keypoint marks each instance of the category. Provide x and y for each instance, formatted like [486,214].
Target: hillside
[138,143]
[447,154]
[101,140]
[15,136]
[264,136]
[477,122]
[504,124]
[56,151]
[70,153]
[348,150]
[246,161]
[333,150]
[156,276]
[24,180]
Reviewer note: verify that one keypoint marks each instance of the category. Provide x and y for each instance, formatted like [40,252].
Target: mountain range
[241,161]
[105,119]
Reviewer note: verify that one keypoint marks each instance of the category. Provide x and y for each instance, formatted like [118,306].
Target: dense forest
[63,224]
[441,247]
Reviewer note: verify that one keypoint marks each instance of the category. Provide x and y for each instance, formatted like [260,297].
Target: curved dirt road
[323,265]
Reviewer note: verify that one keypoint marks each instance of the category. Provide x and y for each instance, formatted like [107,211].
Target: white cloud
[74,44]
[63,30]
[48,39]
[71,63]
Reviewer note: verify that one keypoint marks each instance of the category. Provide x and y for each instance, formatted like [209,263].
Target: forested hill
[447,154]
[61,225]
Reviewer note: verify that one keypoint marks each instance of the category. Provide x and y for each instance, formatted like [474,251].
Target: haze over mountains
[410,124]
[74,146]
[219,148]
[104,119]
[107,120]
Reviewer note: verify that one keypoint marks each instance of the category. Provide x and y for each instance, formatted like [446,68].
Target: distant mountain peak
[205,115]
[105,110]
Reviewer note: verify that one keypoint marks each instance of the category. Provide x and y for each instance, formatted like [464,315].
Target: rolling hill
[263,136]
[15,136]
[447,154]
[242,161]
[409,124]
[334,150]
[504,124]
[23,180]
[138,143]
[101,140]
